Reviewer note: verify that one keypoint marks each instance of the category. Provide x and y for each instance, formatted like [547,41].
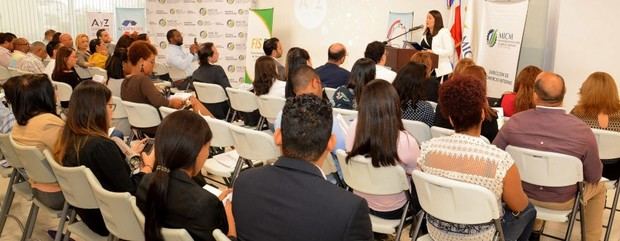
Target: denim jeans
[518,227]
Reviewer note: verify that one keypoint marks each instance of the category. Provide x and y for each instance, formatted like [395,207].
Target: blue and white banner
[129,20]
[399,23]
[500,33]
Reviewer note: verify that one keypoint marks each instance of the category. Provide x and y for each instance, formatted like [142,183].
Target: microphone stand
[400,35]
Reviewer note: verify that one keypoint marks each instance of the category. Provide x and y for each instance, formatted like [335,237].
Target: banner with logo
[260,25]
[224,23]
[99,20]
[502,30]
[129,20]
[399,23]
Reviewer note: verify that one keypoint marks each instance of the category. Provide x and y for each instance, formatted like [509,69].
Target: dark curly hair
[462,99]
[306,127]
[264,75]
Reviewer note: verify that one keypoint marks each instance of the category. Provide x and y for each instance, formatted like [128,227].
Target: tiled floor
[47,221]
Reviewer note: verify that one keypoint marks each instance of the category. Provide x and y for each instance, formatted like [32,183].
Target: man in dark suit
[272,47]
[291,200]
[331,74]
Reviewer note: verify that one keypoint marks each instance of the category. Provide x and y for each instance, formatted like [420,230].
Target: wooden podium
[397,58]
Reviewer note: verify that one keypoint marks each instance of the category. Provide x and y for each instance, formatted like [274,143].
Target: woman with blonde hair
[520,98]
[82,44]
[599,107]
[461,66]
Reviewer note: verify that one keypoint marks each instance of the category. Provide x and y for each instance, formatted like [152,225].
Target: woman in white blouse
[265,78]
[439,41]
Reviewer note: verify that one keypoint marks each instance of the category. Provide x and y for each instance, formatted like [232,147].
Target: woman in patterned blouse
[347,96]
[409,83]
[465,157]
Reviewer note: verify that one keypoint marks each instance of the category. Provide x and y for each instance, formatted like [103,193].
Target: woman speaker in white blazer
[439,40]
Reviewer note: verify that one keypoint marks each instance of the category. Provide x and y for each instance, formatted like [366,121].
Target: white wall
[587,41]
[355,23]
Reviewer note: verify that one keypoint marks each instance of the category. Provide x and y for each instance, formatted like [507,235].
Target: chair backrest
[433,104]
[253,144]
[242,100]
[546,169]
[360,175]
[607,143]
[9,151]
[330,93]
[17,72]
[222,137]
[74,184]
[98,71]
[120,111]
[210,93]
[455,201]
[142,115]
[34,163]
[418,129]
[348,115]
[176,234]
[270,106]
[165,111]
[160,68]
[219,236]
[117,209]
[437,131]
[176,73]
[63,90]
[115,86]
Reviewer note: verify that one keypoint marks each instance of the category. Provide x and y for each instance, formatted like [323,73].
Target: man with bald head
[66,40]
[33,62]
[331,74]
[549,128]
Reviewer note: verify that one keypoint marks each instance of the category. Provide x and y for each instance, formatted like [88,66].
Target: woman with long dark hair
[294,58]
[378,133]
[84,141]
[266,78]
[210,72]
[115,65]
[438,40]
[409,84]
[64,70]
[347,96]
[169,197]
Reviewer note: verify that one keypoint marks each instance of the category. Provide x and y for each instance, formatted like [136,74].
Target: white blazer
[443,45]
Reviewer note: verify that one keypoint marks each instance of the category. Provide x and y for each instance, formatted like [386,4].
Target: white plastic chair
[210,94]
[549,169]
[98,71]
[35,165]
[219,236]
[437,131]
[362,176]
[241,100]
[418,129]
[115,86]
[165,111]
[141,116]
[222,137]
[608,149]
[120,120]
[330,94]
[117,211]
[176,234]
[176,73]
[17,179]
[269,107]
[348,115]
[63,90]
[456,202]
[78,193]
[17,72]
[253,147]
[433,104]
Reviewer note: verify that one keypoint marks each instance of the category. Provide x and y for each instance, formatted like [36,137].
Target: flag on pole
[456,30]
[467,34]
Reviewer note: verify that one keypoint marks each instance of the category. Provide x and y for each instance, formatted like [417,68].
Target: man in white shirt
[273,48]
[376,52]
[33,62]
[66,40]
[176,57]
[51,49]
[20,48]
[104,35]
[6,47]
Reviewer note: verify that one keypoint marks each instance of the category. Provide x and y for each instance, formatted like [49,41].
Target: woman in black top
[169,197]
[84,141]
[64,70]
[210,73]
[294,58]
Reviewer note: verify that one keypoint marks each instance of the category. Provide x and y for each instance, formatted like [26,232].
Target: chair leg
[612,212]
[72,214]
[573,216]
[8,199]
[399,231]
[415,228]
[234,114]
[32,219]
[498,228]
[61,222]
[236,171]
[227,115]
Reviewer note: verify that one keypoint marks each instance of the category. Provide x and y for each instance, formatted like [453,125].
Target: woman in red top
[521,97]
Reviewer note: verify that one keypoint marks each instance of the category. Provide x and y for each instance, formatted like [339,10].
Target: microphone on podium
[421,26]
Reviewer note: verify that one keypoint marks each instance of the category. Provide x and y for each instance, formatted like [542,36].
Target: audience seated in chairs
[464,157]
[331,74]
[84,141]
[599,107]
[347,96]
[209,72]
[99,53]
[116,65]
[431,85]
[409,84]
[295,58]
[169,197]
[33,61]
[266,80]
[549,128]
[378,133]
[291,200]
[64,70]
[521,97]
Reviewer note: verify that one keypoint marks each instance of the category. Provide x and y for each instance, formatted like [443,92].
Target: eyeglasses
[112,106]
